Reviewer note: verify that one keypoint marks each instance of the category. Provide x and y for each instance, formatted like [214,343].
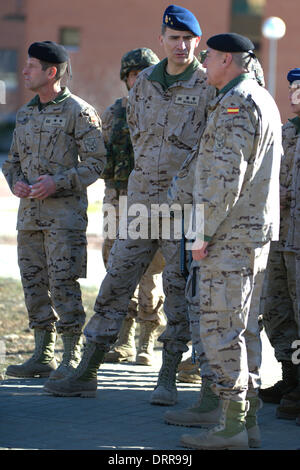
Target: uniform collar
[158,73]
[65,93]
[234,82]
[296,122]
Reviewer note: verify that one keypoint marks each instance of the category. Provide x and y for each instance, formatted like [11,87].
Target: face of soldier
[36,78]
[294,97]
[215,67]
[179,47]
[131,78]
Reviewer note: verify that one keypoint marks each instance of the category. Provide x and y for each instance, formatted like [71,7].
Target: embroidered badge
[55,121]
[90,144]
[219,140]
[187,99]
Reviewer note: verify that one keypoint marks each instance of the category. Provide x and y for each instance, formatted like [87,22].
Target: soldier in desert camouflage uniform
[279,300]
[146,304]
[166,115]
[281,311]
[57,151]
[237,181]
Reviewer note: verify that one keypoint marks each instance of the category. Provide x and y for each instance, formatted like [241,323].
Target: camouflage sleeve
[181,188]
[11,168]
[107,119]
[132,120]
[288,157]
[220,170]
[91,151]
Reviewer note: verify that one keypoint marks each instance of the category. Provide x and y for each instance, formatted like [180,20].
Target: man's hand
[21,189]
[44,187]
[199,250]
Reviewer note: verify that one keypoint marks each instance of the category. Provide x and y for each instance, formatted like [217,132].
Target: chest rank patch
[55,121]
[233,110]
[187,99]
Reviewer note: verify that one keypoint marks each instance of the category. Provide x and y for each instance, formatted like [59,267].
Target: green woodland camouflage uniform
[64,140]
[147,300]
[165,123]
[237,180]
[279,300]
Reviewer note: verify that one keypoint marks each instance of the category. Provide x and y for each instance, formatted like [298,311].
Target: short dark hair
[60,68]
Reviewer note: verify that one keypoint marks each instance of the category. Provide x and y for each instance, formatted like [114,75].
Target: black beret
[48,51]
[230,42]
[181,19]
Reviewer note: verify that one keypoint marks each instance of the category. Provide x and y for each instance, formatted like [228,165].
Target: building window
[246,19]
[70,38]
[8,68]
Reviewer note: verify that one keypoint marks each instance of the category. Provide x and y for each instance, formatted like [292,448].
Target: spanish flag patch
[233,110]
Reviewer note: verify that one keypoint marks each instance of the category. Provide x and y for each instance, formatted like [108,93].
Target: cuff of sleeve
[60,182]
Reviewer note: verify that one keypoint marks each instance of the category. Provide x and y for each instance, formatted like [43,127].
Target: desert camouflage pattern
[128,261]
[147,301]
[279,305]
[50,263]
[230,284]
[166,125]
[291,142]
[237,180]
[63,140]
[164,129]
[237,172]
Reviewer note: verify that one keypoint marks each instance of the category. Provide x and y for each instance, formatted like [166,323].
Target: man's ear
[198,39]
[52,72]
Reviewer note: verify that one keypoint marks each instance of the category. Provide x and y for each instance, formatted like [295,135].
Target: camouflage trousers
[147,301]
[128,261]
[223,310]
[279,304]
[50,263]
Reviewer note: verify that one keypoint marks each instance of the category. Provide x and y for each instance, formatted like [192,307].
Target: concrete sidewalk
[120,418]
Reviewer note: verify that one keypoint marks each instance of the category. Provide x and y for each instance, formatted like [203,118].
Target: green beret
[48,51]
[230,42]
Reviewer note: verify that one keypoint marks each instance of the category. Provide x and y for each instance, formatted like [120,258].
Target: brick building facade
[99,32]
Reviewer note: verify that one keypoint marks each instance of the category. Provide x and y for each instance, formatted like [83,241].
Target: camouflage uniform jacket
[120,159]
[63,140]
[291,146]
[237,169]
[164,126]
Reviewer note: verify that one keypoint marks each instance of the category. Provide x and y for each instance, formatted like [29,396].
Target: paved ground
[120,418]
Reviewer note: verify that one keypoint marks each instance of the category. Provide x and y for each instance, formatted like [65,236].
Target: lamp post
[273,29]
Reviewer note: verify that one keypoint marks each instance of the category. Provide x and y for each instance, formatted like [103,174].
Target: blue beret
[48,51]
[230,42]
[293,75]
[181,19]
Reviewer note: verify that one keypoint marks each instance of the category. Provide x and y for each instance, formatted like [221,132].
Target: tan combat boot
[42,362]
[230,433]
[165,392]
[81,382]
[124,349]
[148,334]
[189,372]
[254,438]
[71,356]
[206,412]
